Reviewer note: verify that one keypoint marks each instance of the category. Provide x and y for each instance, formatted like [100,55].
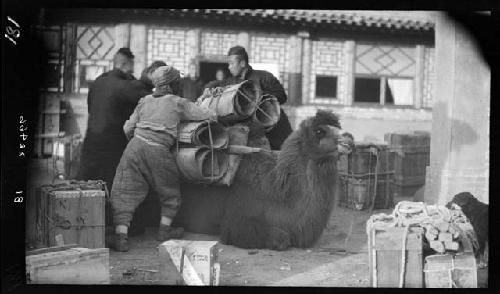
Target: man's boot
[167,232]
[121,242]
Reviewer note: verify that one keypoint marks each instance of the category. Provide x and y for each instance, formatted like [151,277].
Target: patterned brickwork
[217,43]
[328,59]
[95,48]
[429,77]
[95,42]
[272,49]
[395,61]
[170,46]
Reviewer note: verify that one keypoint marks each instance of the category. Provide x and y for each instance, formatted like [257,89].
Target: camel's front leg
[278,239]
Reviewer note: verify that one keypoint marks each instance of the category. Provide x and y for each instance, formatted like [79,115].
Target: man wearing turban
[147,163]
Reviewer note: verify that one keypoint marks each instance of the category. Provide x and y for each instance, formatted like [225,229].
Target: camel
[275,202]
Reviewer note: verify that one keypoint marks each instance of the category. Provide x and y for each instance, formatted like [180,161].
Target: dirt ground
[323,265]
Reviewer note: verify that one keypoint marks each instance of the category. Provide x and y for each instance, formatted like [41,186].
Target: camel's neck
[309,187]
[296,167]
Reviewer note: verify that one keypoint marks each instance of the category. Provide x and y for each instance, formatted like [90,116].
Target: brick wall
[328,58]
[175,46]
[217,43]
[367,122]
[429,76]
[272,49]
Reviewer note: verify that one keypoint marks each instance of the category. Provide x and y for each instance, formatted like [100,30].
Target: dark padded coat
[111,100]
[269,85]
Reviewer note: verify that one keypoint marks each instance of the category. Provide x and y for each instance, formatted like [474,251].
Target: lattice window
[168,45]
[327,61]
[384,74]
[385,60]
[95,48]
[271,50]
[429,76]
[217,43]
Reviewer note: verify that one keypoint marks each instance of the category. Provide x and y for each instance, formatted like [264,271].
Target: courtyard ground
[326,264]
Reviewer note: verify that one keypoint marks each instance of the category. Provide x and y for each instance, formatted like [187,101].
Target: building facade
[375,69]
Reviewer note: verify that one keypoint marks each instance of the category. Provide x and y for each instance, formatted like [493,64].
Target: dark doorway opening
[208,70]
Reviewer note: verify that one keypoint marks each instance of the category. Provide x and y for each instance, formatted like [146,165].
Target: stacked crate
[389,265]
[366,169]
[48,125]
[71,212]
[67,265]
[412,155]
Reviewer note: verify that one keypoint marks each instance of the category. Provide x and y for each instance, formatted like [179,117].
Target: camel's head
[322,137]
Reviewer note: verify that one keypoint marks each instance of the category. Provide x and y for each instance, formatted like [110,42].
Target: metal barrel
[198,134]
[235,102]
[196,164]
[267,113]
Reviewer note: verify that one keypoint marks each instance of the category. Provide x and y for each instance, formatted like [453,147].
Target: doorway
[208,70]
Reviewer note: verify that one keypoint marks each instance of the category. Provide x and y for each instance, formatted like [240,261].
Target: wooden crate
[357,192]
[362,161]
[73,210]
[385,257]
[68,266]
[451,271]
[72,152]
[405,190]
[412,156]
[51,120]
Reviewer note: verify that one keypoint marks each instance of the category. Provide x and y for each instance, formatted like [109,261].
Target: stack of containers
[365,176]
[412,156]
[203,148]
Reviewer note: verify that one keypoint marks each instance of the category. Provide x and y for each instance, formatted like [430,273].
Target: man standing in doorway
[192,85]
[241,70]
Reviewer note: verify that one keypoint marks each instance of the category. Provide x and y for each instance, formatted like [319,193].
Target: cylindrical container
[235,103]
[198,165]
[268,112]
[198,134]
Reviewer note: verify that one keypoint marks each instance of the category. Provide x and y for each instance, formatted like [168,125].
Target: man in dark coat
[241,70]
[191,86]
[111,99]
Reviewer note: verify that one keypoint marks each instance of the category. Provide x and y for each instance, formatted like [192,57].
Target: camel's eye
[320,132]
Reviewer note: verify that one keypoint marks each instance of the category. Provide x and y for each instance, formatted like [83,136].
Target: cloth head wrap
[163,77]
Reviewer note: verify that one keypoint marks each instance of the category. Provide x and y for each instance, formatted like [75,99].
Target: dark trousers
[280,132]
[99,158]
[144,168]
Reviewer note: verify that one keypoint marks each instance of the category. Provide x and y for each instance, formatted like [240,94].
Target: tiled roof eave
[261,16]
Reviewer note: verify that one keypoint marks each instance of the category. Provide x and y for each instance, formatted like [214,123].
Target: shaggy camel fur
[274,202]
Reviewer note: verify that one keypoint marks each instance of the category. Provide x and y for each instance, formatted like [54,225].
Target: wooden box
[72,152]
[412,155]
[362,161]
[385,253]
[184,262]
[69,266]
[73,212]
[357,192]
[450,271]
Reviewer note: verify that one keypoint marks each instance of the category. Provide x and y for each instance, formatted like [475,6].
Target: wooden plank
[388,268]
[72,266]
[50,249]
[414,275]
[393,240]
[385,254]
